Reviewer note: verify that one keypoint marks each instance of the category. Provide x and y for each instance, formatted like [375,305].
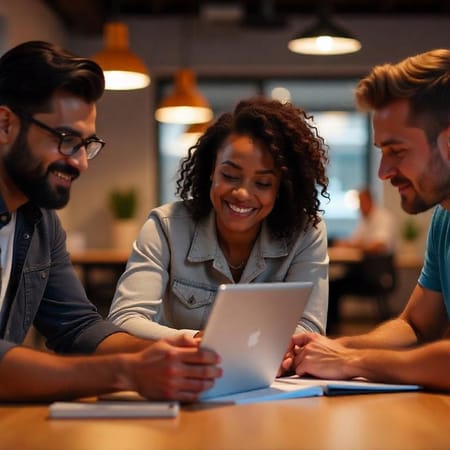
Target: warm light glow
[185,104]
[281,94]
[123,69]
[351,199]
[324,45]
[325,37]
[193,133]
[187,140]
[183,114]
[117,80]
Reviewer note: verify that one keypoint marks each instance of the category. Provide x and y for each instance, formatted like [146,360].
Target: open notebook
[295,387]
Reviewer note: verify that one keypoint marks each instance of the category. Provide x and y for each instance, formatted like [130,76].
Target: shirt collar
[5,215]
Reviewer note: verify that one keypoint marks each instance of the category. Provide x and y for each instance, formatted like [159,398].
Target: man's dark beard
[31,178]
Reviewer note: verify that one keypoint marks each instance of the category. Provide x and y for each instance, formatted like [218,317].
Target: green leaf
[410,231]
[123,203]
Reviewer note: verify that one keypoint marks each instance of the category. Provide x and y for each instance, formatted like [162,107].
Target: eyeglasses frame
[61,135]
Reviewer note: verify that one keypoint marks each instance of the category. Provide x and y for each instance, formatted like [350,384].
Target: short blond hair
[423,80]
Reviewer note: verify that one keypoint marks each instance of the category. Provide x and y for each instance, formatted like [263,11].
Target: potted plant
[123,206]
[123,203]
[410,233]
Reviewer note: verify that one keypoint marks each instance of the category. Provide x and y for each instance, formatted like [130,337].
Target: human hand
[172,369]
[286,366]
[321,357]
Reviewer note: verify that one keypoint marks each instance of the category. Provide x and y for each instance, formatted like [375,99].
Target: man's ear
[7,120]
[444,142]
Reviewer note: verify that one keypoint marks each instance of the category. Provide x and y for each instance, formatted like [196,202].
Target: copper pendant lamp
[123,69]
[185,104]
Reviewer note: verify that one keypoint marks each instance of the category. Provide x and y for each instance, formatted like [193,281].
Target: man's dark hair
[31,73]
[297,150]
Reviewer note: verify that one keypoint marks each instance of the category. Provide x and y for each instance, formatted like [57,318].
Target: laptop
[250,326]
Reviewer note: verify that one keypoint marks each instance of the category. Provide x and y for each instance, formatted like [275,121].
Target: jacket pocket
[193,296]
[28,298]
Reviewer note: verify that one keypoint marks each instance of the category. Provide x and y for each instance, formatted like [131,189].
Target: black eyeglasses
[69,143]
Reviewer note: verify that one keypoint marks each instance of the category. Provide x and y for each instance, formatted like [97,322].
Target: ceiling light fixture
[324,37]
[185,105]
[123,69]
[193,133]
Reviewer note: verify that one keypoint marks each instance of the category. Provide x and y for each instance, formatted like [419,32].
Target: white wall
[26,20]
[125,119]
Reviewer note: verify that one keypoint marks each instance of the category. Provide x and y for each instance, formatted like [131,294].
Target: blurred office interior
[236,49]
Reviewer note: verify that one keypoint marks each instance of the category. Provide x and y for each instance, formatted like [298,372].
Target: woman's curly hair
[298,152]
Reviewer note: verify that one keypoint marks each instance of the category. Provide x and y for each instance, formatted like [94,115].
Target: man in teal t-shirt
[410,102]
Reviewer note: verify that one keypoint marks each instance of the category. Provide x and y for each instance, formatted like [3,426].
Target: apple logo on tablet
[253,339]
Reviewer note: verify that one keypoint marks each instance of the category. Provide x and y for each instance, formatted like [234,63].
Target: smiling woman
[249,212]
[243,190]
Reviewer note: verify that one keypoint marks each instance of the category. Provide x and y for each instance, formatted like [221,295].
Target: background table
[99,271]
[396,421]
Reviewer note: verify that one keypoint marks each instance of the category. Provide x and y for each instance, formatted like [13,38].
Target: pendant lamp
[324,38]
[193,133]
[123,69]
[185,104]
[197,129]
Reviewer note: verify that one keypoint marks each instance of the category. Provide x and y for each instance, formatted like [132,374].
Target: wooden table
[100,256]
[344,255]
[107,257]
[403,421]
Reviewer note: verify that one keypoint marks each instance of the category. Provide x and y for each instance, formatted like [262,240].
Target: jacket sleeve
[310,263]
[138,299]
[68,320]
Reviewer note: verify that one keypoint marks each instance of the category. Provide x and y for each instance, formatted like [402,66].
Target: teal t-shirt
[435,273]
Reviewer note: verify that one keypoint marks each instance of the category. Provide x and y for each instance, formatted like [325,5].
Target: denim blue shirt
[176,266]
[44,290]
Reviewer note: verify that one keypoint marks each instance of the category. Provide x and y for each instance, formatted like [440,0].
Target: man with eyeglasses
[47,136]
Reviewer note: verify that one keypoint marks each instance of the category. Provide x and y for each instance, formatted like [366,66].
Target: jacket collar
[30,210]
[205,246]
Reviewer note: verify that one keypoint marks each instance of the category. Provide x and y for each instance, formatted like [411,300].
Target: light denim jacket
[176,265]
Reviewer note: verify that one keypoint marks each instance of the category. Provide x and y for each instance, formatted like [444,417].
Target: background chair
[374,277]
[378,280]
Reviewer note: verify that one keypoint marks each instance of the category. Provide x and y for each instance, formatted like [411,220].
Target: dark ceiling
[88,16]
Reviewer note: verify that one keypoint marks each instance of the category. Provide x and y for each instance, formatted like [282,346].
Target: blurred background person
[375,236]
[375,231]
